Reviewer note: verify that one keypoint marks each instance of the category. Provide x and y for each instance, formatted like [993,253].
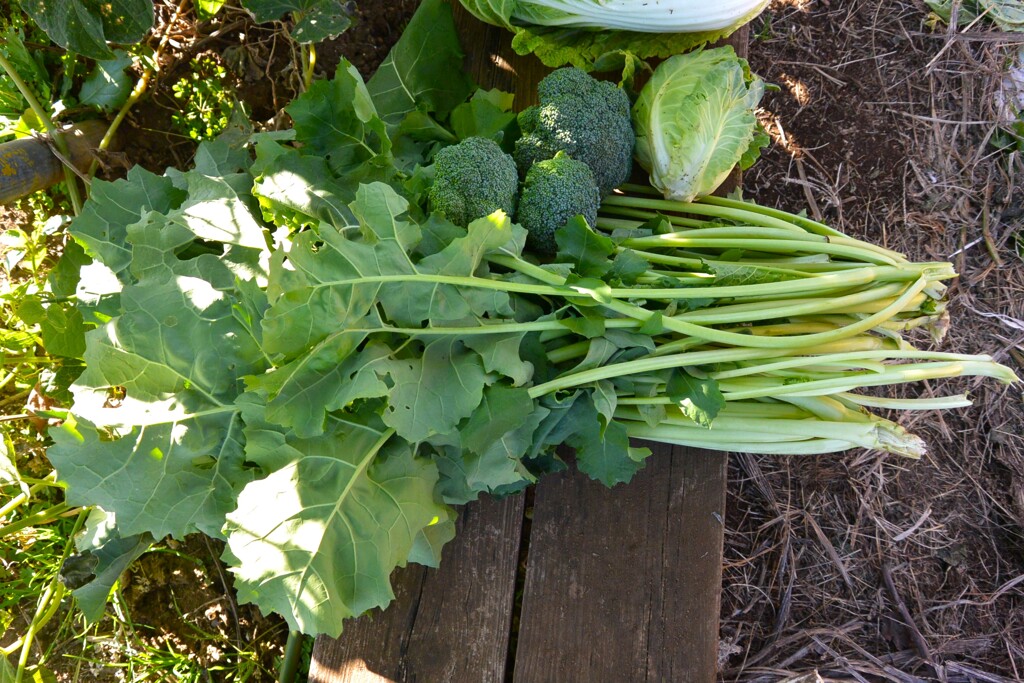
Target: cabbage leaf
[597,34]
[695,121]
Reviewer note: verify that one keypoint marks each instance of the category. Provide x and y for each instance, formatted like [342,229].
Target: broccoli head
[554,191]
[473,178]
[587,119]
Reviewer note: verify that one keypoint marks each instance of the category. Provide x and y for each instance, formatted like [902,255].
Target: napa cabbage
[585,32]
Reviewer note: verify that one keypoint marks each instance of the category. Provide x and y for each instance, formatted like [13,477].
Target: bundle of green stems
[790,319]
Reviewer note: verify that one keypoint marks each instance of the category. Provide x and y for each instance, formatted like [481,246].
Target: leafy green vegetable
[314,20]
[286,350]
[413,79]
[86,26]
[338,120]
[1008,15]
[592,34]
[108,86]
[102,557]
[317,539]
[695,121]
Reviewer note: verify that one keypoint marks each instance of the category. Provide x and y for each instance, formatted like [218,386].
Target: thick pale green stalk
[856,356]
[48,602]
[734,213]
[750,207]
[776,435]
[649,364]
[720,336]
[746,388]
[931,403]
[779,246]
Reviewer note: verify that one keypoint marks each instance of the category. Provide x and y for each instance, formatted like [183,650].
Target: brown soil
[860,566]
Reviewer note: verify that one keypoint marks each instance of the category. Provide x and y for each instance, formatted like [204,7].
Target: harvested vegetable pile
[293,353]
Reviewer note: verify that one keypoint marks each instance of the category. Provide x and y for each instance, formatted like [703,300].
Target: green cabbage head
[695,121]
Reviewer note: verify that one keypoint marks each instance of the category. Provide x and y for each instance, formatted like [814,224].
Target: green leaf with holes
[86,26]
[313,20]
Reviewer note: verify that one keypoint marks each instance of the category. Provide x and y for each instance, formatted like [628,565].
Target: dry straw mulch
[858,566]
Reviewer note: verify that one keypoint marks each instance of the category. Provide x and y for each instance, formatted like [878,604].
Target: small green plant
[205,102]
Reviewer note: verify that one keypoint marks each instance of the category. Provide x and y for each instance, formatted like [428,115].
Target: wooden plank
[449,624]
[624,584]
[492,63]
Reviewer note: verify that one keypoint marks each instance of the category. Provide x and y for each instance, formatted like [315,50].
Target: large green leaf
[497,12]
[434,392]
[590,49]
[424,69]
[298,191]
[486,453]
[699,399]
[603,451]
[156,437]
[337,119]
[102,557]
[103,225]
[86,26]
[315,20]
[12,46]
[324,300]
[108,85]
[317,540]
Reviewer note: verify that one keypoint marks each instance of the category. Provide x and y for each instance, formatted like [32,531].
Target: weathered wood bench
[569,582]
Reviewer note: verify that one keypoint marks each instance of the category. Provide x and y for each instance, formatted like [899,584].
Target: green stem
[58,138]
[559,290]
[780,246]
[747,434]
[812,283]
[489,328]
[896,374]
[19,500]
[785,308]
[649,364]
[738,214]
[721,336]
[852,356]
[292,657]
[934,403]
[308,52]
[48,603]
[43,517]
[726,202]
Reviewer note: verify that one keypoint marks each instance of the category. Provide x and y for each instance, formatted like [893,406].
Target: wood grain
[447,624]
[492,63]
[624,584]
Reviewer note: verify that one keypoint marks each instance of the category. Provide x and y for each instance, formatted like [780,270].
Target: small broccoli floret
[554,191]
[587,119]
[473,178]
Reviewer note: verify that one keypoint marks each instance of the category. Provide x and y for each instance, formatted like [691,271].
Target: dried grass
[862,567]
